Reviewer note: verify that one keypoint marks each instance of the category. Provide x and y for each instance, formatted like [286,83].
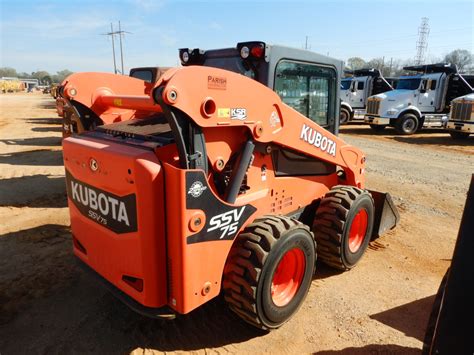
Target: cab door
[358,93]
[427,96]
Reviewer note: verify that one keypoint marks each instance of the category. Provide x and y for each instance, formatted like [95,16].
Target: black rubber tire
[377,128]
[458,135]
[333,221]
[252,262]
[407,124]
[344,116]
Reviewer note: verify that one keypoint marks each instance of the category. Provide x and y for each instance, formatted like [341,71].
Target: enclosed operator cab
[356,90]
[421,100]
[306,81]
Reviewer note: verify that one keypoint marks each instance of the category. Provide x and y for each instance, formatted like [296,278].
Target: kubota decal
[117,213]
[320,141]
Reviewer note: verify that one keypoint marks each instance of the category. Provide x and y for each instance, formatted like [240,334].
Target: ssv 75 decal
[223,221]
[117,213]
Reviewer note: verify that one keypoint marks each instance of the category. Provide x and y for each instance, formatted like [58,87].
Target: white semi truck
[355,91]
[421,100]
[461,117]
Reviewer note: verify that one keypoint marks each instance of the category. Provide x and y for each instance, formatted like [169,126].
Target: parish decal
[117,213]
[320,141]
[216,82]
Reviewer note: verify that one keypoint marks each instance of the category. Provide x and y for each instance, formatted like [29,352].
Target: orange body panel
[141,253]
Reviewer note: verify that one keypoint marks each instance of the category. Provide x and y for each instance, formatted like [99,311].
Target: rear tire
[343,226]
[407,124]
[344,116]
[269,271]
[377,128]
[458,135]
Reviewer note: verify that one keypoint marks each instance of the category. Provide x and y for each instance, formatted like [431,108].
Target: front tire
[343,226]
[269,271]
[407,124]
[458,135]
[344,116]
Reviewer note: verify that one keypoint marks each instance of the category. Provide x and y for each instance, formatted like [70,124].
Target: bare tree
[461,57]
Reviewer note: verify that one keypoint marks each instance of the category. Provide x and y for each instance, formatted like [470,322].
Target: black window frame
[332,101]
[359,84]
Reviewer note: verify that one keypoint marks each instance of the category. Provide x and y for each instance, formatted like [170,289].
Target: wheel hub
[288,276]
[358,230]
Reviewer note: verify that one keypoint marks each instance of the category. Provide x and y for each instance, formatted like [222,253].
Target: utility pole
[121,51]
[112,34]
[422,43]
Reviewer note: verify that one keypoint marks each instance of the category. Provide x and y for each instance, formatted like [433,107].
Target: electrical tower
[422,43]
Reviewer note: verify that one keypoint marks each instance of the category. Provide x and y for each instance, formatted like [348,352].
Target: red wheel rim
[358,230]
[288,276]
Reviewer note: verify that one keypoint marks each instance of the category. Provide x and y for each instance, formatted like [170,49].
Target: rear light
[251,50]
[190,57]
[135,282]
[244,52]
[257,51]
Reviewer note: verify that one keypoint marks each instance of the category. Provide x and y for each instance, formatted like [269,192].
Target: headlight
[392,112]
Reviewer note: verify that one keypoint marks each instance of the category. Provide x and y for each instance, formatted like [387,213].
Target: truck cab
[306,81]
[420,100]
[461,117]
[355,91]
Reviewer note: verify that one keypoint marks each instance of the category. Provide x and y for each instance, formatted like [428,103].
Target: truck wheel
[407,124]
[343,226]
[344,116]
[269,271]
[377,128]
[458,135]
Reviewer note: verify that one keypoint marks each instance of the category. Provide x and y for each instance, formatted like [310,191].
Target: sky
[68,34]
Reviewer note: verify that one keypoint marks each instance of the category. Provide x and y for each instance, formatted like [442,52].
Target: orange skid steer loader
[215,182]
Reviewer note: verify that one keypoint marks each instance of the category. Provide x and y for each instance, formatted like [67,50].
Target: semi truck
[461,117]
[420,100]
[355,91]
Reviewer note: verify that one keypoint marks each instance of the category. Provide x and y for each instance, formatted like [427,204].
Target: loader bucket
[386,213]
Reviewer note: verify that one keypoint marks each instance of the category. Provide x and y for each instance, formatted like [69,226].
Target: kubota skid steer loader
[219,183]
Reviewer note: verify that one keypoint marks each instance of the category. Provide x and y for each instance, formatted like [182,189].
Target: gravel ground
[47,305]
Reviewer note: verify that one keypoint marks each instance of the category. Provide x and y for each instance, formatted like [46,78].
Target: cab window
[308,88]
[433,85]
[360,85]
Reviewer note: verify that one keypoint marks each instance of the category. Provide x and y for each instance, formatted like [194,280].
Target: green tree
[7,71]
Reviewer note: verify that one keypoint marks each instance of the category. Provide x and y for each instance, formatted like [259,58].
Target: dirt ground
[47,305]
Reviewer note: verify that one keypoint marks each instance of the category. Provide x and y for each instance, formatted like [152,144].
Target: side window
[360,85]
[424,84]
[308,88]
[433,85]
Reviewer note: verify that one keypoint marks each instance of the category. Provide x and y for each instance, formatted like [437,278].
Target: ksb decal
[226,222]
